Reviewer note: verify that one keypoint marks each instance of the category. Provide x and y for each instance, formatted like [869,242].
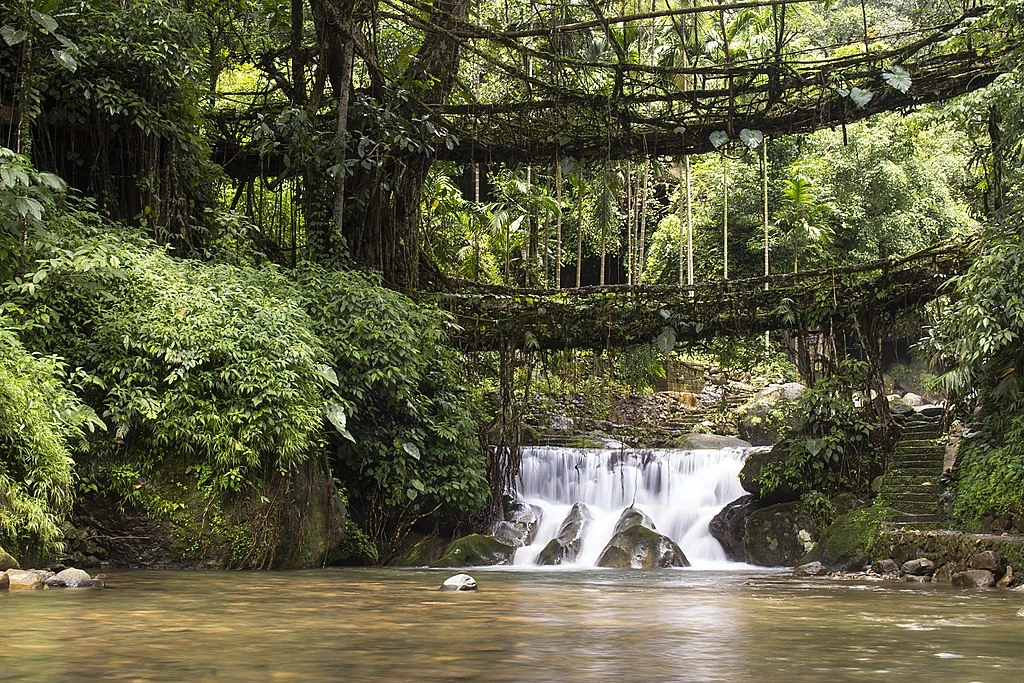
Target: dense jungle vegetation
[220,222]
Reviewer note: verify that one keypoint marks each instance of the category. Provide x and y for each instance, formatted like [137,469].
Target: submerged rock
[566,546]
[7,561]
[476,550]
[636,545]
[974,578]
[729,525]
[459,582]
[5,581]
[21,579]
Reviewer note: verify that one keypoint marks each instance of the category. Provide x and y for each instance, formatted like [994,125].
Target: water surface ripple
[592,625]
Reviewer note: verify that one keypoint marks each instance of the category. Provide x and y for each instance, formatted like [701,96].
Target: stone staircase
[911,483]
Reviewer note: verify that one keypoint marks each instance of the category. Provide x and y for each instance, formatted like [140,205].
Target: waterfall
[681,491]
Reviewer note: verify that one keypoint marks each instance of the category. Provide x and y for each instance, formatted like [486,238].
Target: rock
[922,566]
[944,574]
[729,526]
[769,464]
[5,581]
[631,517]
[476,550]
[913,400]
[69,578]
[509,534]
[990,560]
[885,567]
[810,569]
[779,535]
[44,574]
[419,551]
[847,544]
[899,407]
[459,582]
[638,547]
[695,442]
[913,578]
[7,561]
[974,578]
[527,517]
[759,420]
[1007,579]
[931,410]
[1020,613]
[20,579]
[57,568]
[566,546]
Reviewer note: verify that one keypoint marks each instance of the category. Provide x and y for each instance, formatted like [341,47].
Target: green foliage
[989,482]
[41,421]
[199,361]
[833,452]
[413,449]
[26,195]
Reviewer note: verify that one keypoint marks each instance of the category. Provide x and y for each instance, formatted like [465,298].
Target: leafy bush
[413,449]
[833,452]
[40,422]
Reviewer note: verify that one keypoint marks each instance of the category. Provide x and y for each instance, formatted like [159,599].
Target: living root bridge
[492,318]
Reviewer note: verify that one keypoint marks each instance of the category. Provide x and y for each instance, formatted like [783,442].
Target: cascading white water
[681,491]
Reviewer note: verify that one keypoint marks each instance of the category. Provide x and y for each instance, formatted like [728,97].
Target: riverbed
[522,625]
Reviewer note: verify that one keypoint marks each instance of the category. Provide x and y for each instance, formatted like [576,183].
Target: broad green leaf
[718,138]
[48,23]
[897,77]
[65,59]
[336,416]
[412,449]
[751,138]
[12,36]
[861,96]
[328,373]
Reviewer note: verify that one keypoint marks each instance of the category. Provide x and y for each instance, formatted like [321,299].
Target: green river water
[596,625]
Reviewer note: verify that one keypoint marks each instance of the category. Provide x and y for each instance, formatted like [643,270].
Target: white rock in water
[1020,613]
[459,582]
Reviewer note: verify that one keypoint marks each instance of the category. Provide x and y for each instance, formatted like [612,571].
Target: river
[522,625]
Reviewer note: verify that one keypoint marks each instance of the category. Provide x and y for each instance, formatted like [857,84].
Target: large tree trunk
[381,216]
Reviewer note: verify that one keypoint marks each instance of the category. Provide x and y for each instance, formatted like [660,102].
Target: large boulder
[7,561]
[566,546]
[764,475]
[21,579]
[636,545]
[779,535]
[521,526]
[920,566]
[847,543]
[770,412]
[729,526]
[476,550]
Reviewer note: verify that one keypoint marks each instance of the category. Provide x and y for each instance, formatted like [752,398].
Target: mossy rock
[637,547]
[779,535]
[419,550]
[849,542]
[475,550]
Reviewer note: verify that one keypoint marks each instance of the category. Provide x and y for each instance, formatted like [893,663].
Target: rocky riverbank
[13,577]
